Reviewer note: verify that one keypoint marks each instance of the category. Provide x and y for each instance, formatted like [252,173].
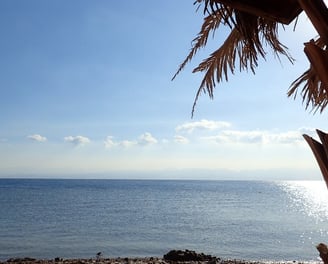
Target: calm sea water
[231,219]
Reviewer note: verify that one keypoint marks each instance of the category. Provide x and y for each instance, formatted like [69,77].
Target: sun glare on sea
[310,196]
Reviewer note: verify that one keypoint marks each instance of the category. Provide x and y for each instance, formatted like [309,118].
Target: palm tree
[254,25]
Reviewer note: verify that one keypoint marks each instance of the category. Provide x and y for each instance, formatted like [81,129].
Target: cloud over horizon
[181,139]
[77,140]
[144,139]
[109,143]
[37,137]
[203,124]
[256,137]
[217,132]
[147,139]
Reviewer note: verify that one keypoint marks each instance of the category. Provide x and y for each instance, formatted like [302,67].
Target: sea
[246,220]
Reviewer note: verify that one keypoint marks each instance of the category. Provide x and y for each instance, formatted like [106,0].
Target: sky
[86,91]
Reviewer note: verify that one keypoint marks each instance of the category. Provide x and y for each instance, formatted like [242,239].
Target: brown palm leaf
[314,92]
[210,24]
[245,42]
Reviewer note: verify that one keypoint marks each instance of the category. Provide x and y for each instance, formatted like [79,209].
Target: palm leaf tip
[244,45]
[314,92]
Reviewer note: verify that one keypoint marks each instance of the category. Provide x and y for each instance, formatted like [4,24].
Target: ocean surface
[253,220]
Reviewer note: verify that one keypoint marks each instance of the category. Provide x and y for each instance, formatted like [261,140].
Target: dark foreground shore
[172,257]
[137,261]
[151,260]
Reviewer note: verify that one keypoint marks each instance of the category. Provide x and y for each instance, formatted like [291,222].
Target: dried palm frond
[314,92]
[226,12]
[210,24]
[248,35]
[311,92]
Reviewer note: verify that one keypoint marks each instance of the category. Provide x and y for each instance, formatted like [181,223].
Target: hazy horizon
[186,174]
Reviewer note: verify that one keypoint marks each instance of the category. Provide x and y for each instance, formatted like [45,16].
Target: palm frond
[226,12]
[210,24]
[269,32]
[313,91]
[249,34]
[245,42]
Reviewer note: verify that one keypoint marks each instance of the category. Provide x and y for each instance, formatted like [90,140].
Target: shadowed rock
[187,255]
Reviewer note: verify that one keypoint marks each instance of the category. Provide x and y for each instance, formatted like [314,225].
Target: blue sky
[86,91]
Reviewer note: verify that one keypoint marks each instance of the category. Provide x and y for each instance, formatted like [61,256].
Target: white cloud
[203,125]
[289,137]
[147,139]
[77,140]
[181,139]
[257,137]
[37,137]
[144,140]
[307,130]
[127,143]
[235,136]
[109,143]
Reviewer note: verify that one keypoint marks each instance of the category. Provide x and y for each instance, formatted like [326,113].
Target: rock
[323,250]
[21,260]
[187,255]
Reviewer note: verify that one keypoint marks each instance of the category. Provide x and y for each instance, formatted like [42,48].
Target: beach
[172,257]
[146,260]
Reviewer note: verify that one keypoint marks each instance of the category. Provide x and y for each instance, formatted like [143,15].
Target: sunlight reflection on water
[310,198]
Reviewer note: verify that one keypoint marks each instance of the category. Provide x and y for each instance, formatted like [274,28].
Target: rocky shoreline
[172,257]
[148,260]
